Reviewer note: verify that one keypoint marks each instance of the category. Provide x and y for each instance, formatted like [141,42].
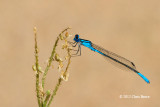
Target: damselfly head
[76,38]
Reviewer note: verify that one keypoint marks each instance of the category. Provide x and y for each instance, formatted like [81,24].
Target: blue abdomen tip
[143,77]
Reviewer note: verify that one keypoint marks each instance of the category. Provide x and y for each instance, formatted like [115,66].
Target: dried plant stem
[45,99]
[48,94]
[69,61]
[60,79]
[51,58]
[37,64]
[49,62]
[55,91]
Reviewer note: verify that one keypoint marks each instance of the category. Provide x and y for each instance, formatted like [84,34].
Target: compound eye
[76,36]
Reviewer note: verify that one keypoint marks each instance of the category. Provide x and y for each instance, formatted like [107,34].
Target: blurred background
[129,28]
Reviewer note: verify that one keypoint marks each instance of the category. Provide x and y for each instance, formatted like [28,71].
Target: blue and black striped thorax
[83,42]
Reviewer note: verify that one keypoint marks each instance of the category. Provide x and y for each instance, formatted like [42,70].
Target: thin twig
[37,64]
[49,62]
[55,91]
[51,58]
[48,94]
[44,100]
[60,79]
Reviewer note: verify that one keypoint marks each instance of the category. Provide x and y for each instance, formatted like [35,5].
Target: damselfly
[112,57]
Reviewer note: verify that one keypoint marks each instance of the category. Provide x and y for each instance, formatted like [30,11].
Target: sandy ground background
[130,28]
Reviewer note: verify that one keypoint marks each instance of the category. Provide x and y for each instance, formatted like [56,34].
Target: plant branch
[37,65]
[55,91]
[51,58]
